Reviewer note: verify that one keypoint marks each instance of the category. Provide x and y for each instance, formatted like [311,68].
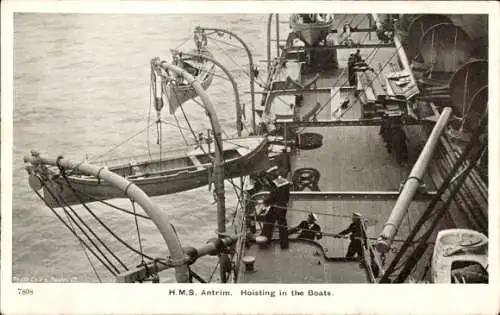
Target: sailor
[399,144]
[357,57]
[277,203]
[359,63]
[357,235]
[350,70]
[308,229]
[322,17]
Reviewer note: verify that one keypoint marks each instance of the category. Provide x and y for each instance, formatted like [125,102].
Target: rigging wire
[85,252]
[106,227]
[180,129]
[138,232]
[91,241]
[121,143]
[64,175]
[94,198]
[183,43]
[245,71]
[151,92]
[69,228]
[224,42]
[97,237]
[185,116]
[213,271]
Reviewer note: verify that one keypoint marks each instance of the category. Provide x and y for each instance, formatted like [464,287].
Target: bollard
[249,262]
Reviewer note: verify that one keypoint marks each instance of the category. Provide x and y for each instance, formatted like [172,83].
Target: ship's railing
[239,227]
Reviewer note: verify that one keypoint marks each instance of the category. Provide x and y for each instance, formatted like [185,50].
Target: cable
[118,145]
[85,252]
[138,232]
[71,230]
[106,227]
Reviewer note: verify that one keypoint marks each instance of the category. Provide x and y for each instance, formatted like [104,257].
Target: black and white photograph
[252,149]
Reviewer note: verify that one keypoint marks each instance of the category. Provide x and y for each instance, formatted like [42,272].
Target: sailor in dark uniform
[357,236]
[357,57]
[350,70]
[308,229]
[277,203]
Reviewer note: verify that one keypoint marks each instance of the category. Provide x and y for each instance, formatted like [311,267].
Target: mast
[269,24]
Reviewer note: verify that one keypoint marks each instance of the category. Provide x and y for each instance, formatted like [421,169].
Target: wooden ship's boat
[173,172]
[178,92]
[312,28]
[460,256]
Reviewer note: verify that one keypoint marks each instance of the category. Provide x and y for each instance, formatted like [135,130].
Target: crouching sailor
[308,229]
[357,236]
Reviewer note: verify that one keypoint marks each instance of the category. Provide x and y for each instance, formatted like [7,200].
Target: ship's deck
[350,159]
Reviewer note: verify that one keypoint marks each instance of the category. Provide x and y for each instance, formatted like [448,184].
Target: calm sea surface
[81,86]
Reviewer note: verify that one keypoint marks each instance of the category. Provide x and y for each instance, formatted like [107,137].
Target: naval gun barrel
[412,184]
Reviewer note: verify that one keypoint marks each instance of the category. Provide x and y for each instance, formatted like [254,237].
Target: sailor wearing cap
[278,203]
[357,235]
[308,229]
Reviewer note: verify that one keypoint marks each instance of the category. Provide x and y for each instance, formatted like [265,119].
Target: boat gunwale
[193,170]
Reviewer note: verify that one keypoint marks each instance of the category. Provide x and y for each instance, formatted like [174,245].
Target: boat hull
[446,259]
[179,94]
[311,33]
[86,189]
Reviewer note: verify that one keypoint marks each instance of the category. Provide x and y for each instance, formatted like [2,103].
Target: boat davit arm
[219,158]
[154,211]
[250,65]
[239,111]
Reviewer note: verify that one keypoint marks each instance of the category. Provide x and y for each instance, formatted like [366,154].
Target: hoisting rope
[180,129]
[138,233]
[152,90]
[185,116]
